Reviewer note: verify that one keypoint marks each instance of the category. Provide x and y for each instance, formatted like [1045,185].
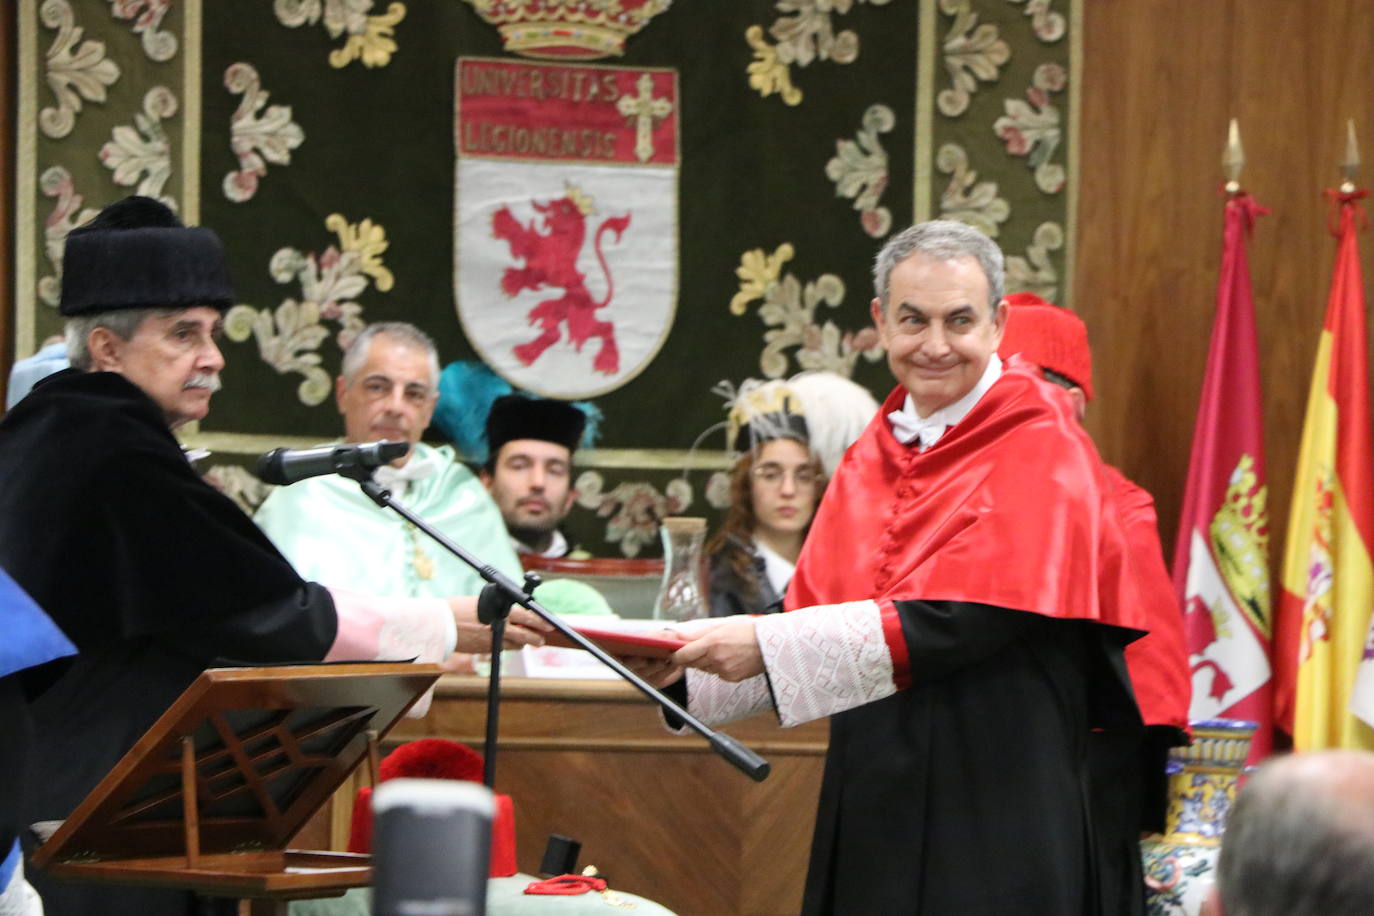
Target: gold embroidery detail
[972,52]
[288,338]
[805,36]
[859,170]
[421,562]
[1035,273]
[1240,539]
[370,38]
[76,70]
[789,308]
[256,140]
[965,198]
[130,153]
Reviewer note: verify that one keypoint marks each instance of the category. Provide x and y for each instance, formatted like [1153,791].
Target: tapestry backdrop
[619,201]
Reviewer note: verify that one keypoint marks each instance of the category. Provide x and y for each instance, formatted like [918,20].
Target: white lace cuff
[717,702]
[825,659]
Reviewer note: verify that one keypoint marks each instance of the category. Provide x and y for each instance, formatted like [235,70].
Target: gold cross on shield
[644,108]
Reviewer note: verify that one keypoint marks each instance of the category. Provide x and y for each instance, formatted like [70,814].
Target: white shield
[565,230]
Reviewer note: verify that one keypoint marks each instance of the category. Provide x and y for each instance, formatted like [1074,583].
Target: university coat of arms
[566,219]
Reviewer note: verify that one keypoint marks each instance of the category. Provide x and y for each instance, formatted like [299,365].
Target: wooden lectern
[209,797]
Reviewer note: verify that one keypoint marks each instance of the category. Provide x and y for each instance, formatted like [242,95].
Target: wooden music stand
[209,797]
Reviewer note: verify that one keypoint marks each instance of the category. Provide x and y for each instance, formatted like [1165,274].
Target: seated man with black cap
[150,572]
[528,470]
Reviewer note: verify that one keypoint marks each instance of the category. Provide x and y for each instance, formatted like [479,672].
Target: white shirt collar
[422,463]
[558,547]
[775,567]
[907,427]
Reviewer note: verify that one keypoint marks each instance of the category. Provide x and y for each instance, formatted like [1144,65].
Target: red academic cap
[1051,337]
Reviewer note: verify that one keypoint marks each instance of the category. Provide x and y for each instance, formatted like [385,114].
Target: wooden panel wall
[1161,79]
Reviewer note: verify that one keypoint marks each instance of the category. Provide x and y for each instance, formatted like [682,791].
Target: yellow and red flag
[1328,579]
[1221,560]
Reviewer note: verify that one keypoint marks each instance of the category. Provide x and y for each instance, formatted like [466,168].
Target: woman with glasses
[786,435]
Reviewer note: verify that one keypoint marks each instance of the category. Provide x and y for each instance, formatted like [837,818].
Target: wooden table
[659,815]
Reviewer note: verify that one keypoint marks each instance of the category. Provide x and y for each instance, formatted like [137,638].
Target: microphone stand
[493,606]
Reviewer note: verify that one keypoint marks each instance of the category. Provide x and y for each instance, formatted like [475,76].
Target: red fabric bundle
[438,758]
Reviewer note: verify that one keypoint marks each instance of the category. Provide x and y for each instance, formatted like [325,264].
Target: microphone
[287,465]
[431,848]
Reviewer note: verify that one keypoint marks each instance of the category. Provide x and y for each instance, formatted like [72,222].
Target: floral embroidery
[1048,26]
[256,140]
[370,38]
[239,485]
[289,337]
[634,509]
[965,198]
[805,36]
[147,16]
[970,54]
[145,153]
[66,216]
[1034,131]
[1035,273]
[790,310]
[859,170]
[76,69]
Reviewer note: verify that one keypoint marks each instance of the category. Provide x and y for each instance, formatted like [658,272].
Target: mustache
[208,380]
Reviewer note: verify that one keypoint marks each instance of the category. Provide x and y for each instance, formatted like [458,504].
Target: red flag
[1328,577]
[1221,561]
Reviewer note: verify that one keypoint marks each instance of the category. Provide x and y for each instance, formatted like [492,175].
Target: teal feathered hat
[467,391]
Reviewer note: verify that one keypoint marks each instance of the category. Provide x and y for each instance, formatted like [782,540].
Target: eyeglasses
[774,474]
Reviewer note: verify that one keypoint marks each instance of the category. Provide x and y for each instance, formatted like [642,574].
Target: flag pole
[1233,159]
[1351,165]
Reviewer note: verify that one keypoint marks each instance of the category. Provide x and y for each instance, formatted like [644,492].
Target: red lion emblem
[550,251]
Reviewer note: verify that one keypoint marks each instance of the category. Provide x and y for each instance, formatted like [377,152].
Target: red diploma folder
[617,643]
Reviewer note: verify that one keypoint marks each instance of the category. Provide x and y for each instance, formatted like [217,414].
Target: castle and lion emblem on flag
[566,217]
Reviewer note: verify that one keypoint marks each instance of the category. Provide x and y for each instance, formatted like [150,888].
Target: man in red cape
[959,611]
[1130,768]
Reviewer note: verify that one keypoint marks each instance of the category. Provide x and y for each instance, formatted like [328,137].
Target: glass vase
[682,596]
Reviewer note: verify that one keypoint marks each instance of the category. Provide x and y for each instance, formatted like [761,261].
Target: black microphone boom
[287,465]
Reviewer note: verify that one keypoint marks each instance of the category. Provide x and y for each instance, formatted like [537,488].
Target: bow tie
[907,427]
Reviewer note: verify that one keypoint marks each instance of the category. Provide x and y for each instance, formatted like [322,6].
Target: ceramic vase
[1180,864]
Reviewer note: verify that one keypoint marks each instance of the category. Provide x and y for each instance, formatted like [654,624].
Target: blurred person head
[1300,839]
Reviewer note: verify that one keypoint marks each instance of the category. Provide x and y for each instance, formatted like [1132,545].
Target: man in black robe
[152,573]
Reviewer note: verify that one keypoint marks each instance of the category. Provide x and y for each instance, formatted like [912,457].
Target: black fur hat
[515,416]
[137,254]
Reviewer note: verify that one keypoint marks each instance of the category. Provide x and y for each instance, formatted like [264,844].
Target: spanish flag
[1328,580]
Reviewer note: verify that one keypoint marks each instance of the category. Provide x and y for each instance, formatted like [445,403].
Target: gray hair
[401,331]
[942,239]
[1300,841]
[123,323]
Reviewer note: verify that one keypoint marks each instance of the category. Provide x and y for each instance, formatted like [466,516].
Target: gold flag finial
[1233,160]
[1352,158]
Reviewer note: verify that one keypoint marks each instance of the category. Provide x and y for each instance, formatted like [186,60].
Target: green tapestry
[624,201]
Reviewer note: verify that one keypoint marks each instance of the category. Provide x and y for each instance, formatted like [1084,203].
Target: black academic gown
[732,595]
[151,572]
[990,742]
